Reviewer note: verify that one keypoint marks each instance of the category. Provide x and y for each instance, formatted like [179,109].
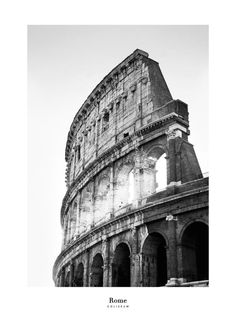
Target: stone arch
[120,241]
[96,250]
[121,265]
[96,275]
[79,275]
[195,250]
[185,226]
[157,150]
[154,260]
[156,173]
[151,232]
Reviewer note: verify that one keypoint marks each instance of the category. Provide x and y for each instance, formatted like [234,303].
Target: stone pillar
[97,130]
[67,230]
[138,180]
[83,157]
[171,175]
[141,275]
[174,136]
[71,279]
[87,269]
[180,262]
[138,176]
[149,181]
[112,189]
[134,259]
[64,232]
[74,164]
[106,254]
[77,225]
[110,275]
[58,280]
[62,277]
[172,264]
[178,166]
[93,205]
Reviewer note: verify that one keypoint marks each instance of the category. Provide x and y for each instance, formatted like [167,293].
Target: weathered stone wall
[117,223]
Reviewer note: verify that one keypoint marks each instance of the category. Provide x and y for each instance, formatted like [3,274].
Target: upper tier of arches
[131,96]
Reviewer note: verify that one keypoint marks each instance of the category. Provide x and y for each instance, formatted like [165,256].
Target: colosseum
[136,208]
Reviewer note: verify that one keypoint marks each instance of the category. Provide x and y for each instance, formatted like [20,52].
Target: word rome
[117,303]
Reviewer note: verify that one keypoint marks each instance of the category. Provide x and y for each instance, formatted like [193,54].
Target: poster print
[133,210]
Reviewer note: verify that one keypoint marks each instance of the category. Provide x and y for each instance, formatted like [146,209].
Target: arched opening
[161,173]
[158,165]
[79,275]
[154,263]
[121,266]
[131,186]
[97,271]
[195,252]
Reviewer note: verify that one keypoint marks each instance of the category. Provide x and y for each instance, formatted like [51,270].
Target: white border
[47,308]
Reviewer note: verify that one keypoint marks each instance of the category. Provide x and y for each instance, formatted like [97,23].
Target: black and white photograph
[117,165]
[134,208]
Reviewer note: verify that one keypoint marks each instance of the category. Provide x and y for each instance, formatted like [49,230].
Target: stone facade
[136,209]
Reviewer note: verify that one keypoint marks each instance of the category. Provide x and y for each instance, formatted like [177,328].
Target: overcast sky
[65,63]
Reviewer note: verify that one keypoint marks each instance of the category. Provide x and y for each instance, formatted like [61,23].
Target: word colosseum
[136,208]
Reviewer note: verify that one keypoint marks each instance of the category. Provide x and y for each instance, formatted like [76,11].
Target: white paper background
[60,308]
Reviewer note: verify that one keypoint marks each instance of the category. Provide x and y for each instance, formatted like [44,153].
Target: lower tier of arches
[151,255]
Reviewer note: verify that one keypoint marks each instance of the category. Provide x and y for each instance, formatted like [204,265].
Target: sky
[65,63]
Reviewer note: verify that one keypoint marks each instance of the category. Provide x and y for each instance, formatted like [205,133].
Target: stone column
[171,175]
[87,269]
[180,262]
[148,184]
[77,224]
[74,164]
[174,136]
[138,181]
[93,205]
[64,232]
[178,166]
[140,103]
[141,275]
[138,176]
[112,189]
[67,230]
[62,277]
[172,264]
[58,280]
[134,259]
[83,143]
[71,279]
[97,129]
[106,254]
